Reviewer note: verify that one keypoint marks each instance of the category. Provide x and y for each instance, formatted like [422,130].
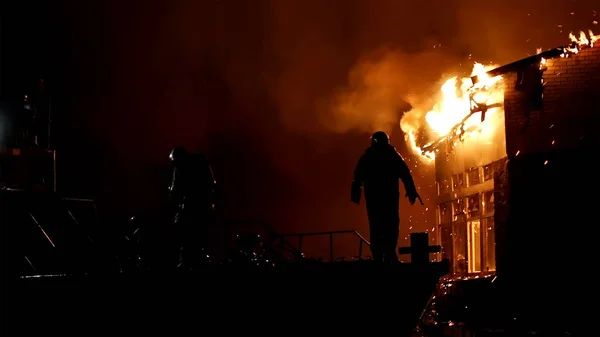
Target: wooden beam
[409,250]
[419,249]
[517,65]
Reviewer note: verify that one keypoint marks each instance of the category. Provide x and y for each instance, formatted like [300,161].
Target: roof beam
[517,65]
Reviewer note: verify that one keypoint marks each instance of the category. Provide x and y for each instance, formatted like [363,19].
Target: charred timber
[517,65]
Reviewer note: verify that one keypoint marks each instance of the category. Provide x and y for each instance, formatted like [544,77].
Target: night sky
[281,95]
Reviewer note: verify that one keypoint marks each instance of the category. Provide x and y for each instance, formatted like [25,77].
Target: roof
[520,64]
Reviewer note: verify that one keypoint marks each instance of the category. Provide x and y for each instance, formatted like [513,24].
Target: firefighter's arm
[407,180]
[357,182]
[175,188]
[212,183]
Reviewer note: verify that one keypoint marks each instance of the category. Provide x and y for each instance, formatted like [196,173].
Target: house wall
[570,114]
[465,178]
[548,226]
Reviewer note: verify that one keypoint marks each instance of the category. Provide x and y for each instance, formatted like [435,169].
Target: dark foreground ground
[486,307]
[359,298]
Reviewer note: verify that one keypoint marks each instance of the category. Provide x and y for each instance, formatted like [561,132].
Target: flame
[580,42]
[458,97]
[456,115]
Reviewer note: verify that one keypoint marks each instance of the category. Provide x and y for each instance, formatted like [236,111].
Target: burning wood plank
[517,65]
[577,44]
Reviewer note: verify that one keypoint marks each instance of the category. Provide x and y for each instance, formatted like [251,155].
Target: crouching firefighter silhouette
[379,169]
[193,192]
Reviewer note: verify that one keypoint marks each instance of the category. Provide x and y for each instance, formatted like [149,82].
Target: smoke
[278,93]
[387,89]
[377,93]
[271,90]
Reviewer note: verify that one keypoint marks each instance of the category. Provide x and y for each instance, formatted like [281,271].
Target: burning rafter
[458,129]
[521,63]
[574,47]
[565,51]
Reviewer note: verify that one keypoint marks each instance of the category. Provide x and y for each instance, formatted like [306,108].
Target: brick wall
[548,242]
[570,115]
[501,212]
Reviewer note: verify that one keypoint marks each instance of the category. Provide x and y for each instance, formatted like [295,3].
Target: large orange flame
[458,100]
[458,96]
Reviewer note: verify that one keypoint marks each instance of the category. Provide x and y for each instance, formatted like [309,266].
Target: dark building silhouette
[525,205]
[546,212]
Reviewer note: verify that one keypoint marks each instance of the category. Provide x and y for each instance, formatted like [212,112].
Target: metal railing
[273,237]
[300,236]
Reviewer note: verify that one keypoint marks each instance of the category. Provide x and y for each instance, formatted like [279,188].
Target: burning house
[515,162]
[465,162]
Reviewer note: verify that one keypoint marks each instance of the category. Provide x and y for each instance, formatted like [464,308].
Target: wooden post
[419,249]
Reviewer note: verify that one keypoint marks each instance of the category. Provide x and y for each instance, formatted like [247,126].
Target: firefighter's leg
[375,234]
[377,239]
[182,237]
[390,241]
[376,247]
[194,253]
[390,233]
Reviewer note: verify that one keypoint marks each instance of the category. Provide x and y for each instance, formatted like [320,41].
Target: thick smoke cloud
[382,86]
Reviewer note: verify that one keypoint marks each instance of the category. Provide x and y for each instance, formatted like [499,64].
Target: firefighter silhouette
[193,192]
[378,170]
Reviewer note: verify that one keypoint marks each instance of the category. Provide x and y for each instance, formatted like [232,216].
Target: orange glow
[584,40]
[459,103]
[458,97]
[580,42]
